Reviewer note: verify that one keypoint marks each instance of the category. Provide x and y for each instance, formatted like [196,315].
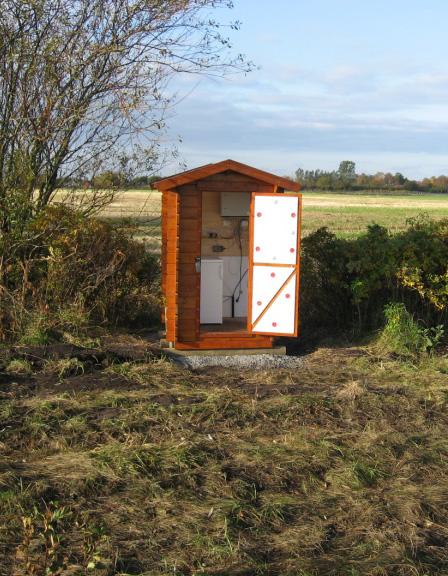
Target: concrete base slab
[276,351]
[239,361]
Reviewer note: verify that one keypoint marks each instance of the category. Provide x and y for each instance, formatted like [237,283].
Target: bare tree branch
[83,84]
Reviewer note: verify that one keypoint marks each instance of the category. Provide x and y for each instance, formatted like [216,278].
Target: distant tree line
[118,180]
[111,180]
[346,178]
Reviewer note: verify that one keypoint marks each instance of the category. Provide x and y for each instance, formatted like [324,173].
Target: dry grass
[347,215]
[339,468]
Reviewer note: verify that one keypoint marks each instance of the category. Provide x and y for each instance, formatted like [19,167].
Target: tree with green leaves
[346,173]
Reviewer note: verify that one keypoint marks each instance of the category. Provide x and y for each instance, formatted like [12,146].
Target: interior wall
[226,230]
[231,273]
[224,227]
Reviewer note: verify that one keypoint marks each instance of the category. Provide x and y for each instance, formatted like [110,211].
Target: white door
[274,264]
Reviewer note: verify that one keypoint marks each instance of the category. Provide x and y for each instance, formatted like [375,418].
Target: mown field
[117,463]
[347,215]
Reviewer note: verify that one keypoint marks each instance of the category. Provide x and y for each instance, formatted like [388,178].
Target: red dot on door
[274,324]
[293,215]
[259,214]
[259,303]
[257,248]
[272,274]
[292,250]
[287,295]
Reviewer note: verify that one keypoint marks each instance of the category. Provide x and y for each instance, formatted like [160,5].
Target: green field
[347,215]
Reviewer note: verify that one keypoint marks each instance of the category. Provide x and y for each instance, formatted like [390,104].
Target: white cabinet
[211,290]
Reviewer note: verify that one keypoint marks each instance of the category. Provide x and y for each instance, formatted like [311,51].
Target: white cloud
[390,118]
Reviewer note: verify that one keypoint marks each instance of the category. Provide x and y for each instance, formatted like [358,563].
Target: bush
[346,283]
[402,335]
[81,271]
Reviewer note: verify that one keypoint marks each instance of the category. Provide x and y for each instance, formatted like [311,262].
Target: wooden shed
[230,257]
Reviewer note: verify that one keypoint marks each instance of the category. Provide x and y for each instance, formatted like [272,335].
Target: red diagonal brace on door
[274,298]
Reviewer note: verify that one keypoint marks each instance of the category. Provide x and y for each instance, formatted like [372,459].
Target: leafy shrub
[324,285]
[346,283]
[404,336]
[75,272]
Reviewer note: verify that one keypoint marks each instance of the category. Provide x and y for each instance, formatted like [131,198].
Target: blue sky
[338,80]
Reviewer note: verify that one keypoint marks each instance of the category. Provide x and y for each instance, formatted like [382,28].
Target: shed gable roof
[209,169]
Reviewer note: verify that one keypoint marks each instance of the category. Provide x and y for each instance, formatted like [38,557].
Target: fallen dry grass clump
[119,468]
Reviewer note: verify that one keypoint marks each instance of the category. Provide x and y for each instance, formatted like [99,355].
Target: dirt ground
[115,462]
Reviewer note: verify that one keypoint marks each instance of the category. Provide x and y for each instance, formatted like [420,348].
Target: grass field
[119,468]
[347,215]
[115,462]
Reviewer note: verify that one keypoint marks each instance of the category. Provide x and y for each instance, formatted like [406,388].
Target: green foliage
[34,328]
[346,178]
[346,283]
[346,173]
[19,366]
[81,271]
[367,474]
[324,287]
[404,336]
[44,529]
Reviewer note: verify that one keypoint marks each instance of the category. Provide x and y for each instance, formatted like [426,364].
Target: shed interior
[225,237]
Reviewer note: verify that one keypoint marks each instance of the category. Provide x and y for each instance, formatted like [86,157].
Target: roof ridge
[201,172]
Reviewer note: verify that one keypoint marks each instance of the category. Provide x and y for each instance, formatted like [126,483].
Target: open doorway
[224,261]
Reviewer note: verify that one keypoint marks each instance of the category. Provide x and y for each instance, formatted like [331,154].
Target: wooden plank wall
[170,245]
[188,299]
[230,181]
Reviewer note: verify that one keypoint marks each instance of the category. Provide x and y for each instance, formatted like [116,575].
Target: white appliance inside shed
[211,291]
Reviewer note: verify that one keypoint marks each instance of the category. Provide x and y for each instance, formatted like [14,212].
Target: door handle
[197,264]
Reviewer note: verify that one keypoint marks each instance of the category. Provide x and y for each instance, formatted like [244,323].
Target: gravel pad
[248,362]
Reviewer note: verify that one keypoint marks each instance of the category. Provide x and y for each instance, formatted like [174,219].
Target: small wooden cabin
[230,257]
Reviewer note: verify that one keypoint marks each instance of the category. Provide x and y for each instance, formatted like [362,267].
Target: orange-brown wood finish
[170,240]
[230,181]
[188,301]
[229,341]
[211,169]
[181,245]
